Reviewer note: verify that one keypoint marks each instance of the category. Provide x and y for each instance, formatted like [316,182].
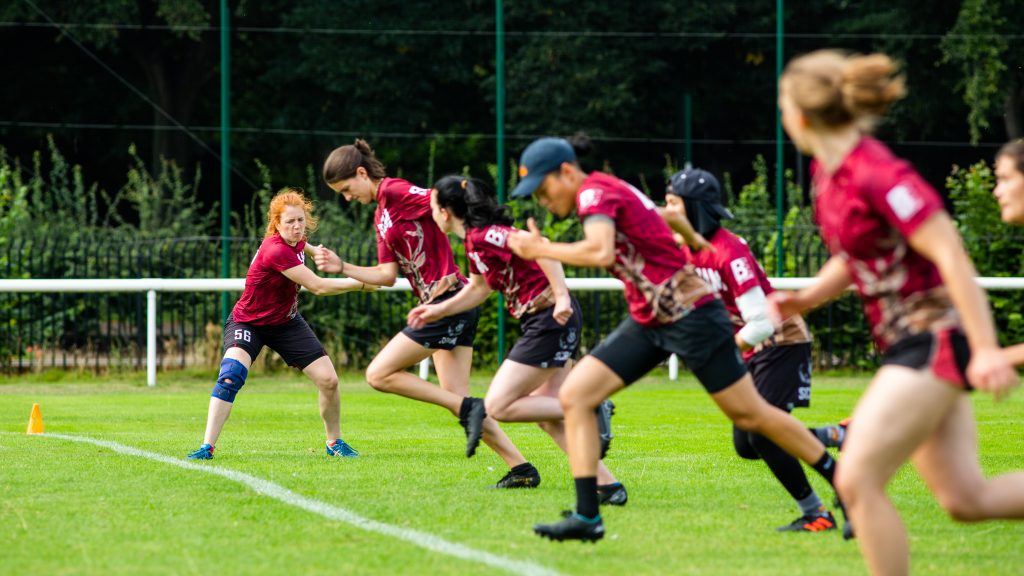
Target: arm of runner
[309,280]
[556,279]
[757,326]
[679,223]
[380,275]
[597,249]
[1014,354]
[833,278]
[937,240]
[471,296]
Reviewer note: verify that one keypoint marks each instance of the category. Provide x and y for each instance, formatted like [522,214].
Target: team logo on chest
[385,223]
[711,277]
[479,262]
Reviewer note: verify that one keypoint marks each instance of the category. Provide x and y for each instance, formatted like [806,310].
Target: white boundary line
[277,492]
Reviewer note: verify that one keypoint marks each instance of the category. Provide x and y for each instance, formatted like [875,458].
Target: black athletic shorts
[449,332]
[703,339]
[546,343]
[945,353]
[294,340]
[782,375]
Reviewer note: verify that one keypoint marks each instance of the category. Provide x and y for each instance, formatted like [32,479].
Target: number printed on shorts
[243,335]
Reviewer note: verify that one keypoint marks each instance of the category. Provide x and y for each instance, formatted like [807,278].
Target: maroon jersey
[270,298]
[522,282]
[866,210]
[661,284]
[407,234]
[731,271]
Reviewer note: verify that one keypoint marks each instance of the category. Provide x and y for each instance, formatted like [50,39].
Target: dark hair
[581,144]
[1014,149]
[343,161]
[471,200]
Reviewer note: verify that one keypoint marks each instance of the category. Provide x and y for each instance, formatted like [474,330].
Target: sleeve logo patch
[496,236]
[741,271]
[417,191]
[903,202]
[589,197]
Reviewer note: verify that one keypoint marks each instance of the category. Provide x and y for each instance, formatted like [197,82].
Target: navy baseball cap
[698,184]
[540,158]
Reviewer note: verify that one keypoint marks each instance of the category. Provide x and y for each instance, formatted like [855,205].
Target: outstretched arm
[679,223]
[833,278]
[471,296]
[308,279]
[597,249]
[381,275]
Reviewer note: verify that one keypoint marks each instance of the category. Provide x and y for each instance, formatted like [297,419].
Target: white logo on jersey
[741,271]
[479,263]
[419,191]
[711,277]
[589,197]
[496,236]
[647,202]
[903,202]
[385,223]
[302,256]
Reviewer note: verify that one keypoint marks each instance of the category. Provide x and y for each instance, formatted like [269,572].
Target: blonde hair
[833,89]
[289,196]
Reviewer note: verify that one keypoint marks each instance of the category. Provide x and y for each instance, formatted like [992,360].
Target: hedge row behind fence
[106,331]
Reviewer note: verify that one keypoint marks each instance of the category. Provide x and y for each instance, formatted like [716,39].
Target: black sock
[826,467]
[786,468]
[523,468]
[464,408]
[586,497]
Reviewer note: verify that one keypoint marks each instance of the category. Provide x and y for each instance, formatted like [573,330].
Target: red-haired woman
[408,241]
[889,235]
[267,314]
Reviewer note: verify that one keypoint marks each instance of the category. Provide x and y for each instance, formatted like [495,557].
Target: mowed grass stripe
[282,494]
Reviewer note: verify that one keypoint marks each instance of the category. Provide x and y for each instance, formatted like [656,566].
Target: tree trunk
[1013,111]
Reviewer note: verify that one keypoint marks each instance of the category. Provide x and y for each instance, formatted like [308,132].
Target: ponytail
[470,200]
[344,160]
[832,88]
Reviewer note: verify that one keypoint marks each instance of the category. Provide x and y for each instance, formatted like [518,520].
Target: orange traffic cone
[35,421]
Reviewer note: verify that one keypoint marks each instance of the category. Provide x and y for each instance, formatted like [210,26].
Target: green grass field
[69,507]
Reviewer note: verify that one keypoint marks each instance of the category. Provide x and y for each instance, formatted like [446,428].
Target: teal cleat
[205,452]
[342,449]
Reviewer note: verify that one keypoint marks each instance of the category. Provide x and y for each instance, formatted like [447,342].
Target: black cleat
[574,527]
[524,478]
[473,424]
[612,494]
[821,521]
[605,411]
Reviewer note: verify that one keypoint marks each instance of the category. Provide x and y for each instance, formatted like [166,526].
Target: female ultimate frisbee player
[889,235]
[409,241]
[779,360]
[671,310]
[525,388]
[267,314]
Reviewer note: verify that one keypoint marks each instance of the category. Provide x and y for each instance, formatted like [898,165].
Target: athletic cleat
[342,449]
[205,452]
[605,411]
[612,494]
[573,527]
[473,424]
[529,478]
[818,522]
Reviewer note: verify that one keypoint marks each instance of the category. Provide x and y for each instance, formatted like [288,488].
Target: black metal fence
[103,331]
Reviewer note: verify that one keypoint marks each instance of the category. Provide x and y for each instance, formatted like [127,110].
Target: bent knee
[496,409]
[964,507]
[327,383]
[378,379]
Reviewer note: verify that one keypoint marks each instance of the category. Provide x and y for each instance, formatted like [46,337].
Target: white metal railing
[153,285]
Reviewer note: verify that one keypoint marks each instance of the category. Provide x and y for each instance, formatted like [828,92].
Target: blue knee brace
[233,370]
